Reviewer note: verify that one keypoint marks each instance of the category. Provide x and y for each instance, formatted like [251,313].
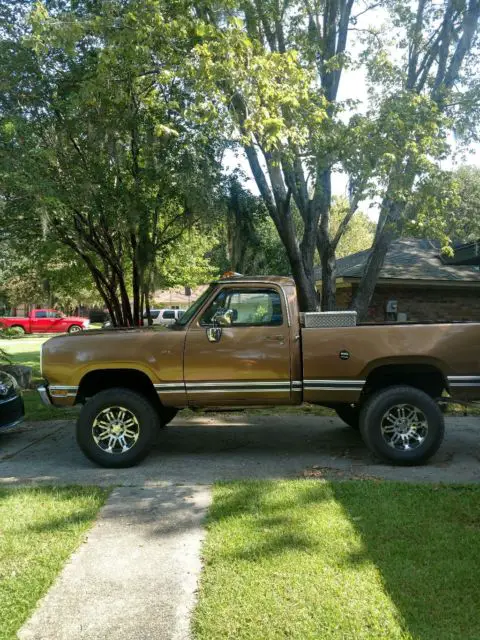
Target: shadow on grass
[65,496]
[424,540]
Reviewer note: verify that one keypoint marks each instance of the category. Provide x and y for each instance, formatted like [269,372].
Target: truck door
[237,351]
[40,322]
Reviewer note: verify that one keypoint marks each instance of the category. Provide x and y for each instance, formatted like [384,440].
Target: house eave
[418,283]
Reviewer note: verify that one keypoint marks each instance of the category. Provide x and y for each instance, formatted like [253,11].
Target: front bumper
[44,396]
[12,411]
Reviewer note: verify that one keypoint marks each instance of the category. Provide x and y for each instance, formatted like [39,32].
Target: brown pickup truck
[243,343]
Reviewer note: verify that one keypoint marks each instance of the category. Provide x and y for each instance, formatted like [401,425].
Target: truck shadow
[282,435]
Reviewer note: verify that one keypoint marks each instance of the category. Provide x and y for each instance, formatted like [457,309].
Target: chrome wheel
[115,430]
[404,427]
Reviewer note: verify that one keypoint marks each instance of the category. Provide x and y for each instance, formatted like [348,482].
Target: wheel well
[102,379]
[425,377]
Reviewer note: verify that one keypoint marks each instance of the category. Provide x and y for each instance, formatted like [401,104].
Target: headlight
[86,323]
[7,384]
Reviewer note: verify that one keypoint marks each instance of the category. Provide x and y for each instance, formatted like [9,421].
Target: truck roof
[281,280]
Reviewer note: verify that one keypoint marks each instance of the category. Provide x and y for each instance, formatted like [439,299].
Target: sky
[353,86]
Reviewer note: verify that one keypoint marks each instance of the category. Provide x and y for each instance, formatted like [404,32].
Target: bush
[7,333]
[4,358]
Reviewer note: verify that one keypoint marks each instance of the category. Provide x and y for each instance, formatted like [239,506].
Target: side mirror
[224,317]
[214,334]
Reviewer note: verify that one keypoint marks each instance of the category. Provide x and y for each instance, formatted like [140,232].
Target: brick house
[416,283]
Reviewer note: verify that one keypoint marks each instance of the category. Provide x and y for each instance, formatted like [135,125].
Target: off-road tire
[138,405]
[350,414]
[377,407]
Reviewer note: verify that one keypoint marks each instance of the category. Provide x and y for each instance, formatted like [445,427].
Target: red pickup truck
[46,321]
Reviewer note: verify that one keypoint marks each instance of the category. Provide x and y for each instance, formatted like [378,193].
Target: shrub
[6,333]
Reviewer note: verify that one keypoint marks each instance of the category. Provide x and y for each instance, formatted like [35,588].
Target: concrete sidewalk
[136,576]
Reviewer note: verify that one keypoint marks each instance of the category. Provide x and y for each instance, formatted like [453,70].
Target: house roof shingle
[407,259]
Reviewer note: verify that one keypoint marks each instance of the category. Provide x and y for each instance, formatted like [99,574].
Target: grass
[25,351]
[39,529]
[340,560]
[35,410]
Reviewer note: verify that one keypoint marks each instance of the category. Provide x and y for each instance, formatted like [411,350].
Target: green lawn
[313,560]
[26,351]
[39,529]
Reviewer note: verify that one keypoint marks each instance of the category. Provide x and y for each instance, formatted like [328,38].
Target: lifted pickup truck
[242,344]
[45,321]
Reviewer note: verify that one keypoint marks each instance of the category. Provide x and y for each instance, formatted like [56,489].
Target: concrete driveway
[205,449]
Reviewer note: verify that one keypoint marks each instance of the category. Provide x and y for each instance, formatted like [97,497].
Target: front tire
[117,428]
[402,425]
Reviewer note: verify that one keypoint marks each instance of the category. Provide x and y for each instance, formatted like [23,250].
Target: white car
[163,316]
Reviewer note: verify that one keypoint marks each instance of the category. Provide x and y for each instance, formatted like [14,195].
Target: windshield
[191,311]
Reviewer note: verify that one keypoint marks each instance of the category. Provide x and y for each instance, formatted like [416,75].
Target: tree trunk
[306,292]
[147,308]
[135,293]
[329,278]
[385,235]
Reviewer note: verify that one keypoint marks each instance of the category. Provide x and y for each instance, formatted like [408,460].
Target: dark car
[11,403]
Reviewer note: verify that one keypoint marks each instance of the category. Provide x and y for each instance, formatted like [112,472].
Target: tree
[464,219]
[274,68]
[424,82]
[248,241]
[188,263]
[97,144]
[38,270]
[359,234]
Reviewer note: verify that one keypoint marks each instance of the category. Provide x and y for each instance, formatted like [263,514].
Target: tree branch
[415,45]
[470,22]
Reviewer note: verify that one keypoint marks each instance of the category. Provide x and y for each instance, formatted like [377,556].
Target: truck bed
[350,354]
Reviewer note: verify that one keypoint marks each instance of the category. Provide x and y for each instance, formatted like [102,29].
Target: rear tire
[21,330]
[117,428]
[350,414]
[402,425]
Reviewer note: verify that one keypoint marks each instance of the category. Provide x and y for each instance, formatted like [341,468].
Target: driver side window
[250,307]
